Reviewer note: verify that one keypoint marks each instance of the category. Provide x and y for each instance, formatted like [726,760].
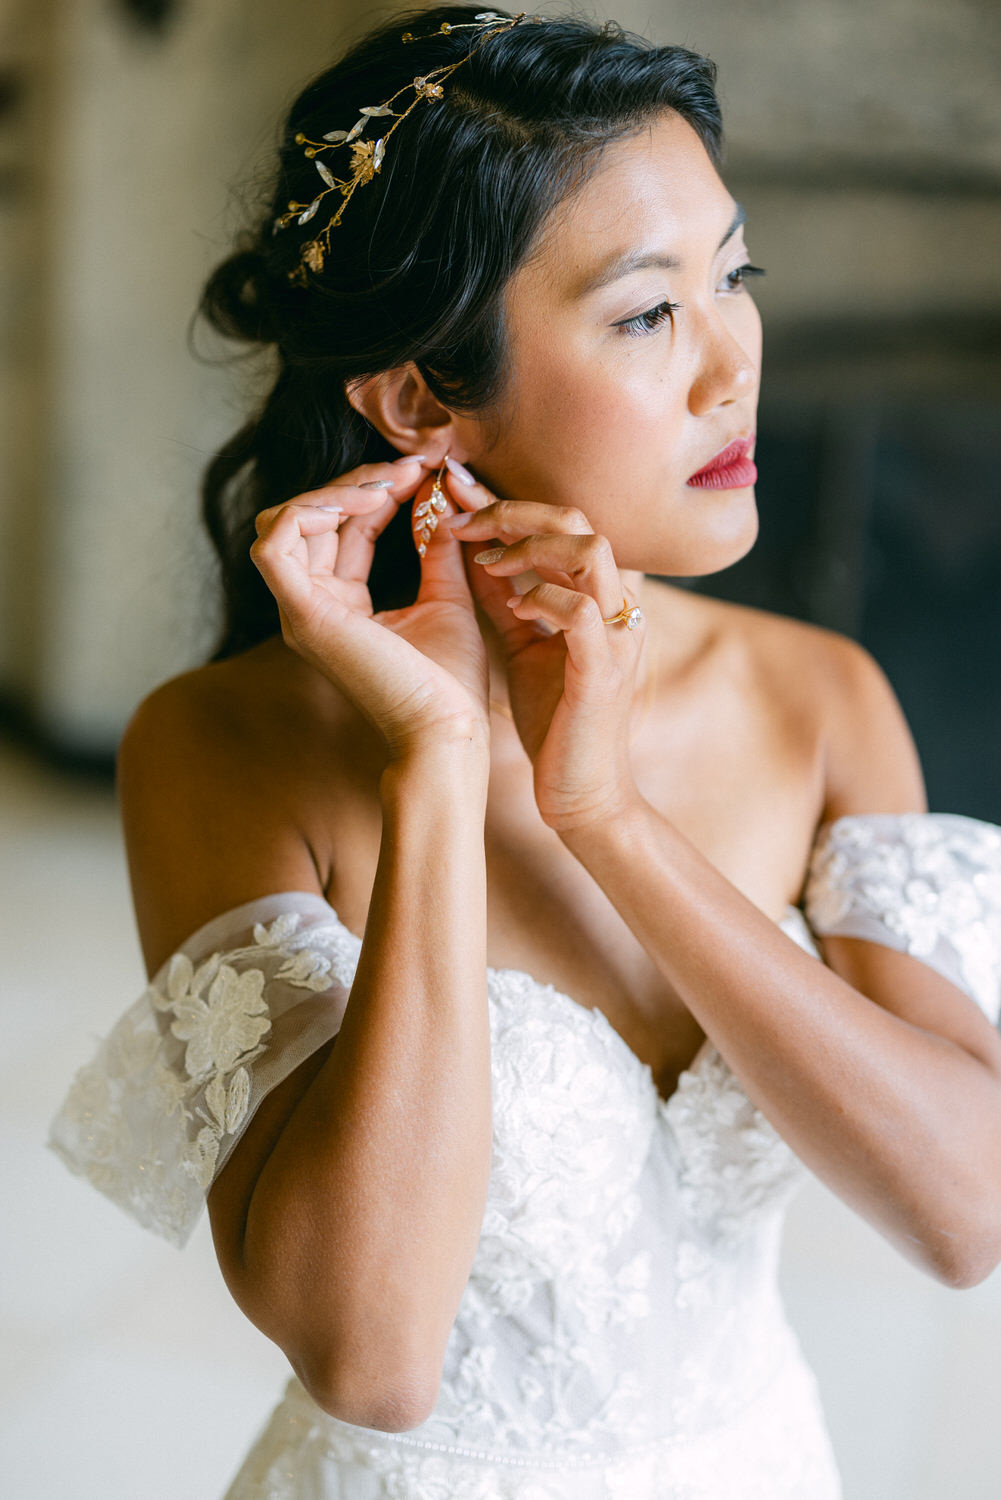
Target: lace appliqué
[151,1118]
[928,884]
[574,1113]
[735,1169]
[775,1448]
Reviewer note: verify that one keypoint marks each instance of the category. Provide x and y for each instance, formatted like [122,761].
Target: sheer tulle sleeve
[928,884]
[151,1120]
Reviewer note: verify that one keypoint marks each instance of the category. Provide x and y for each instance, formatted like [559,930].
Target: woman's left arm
[882,1076]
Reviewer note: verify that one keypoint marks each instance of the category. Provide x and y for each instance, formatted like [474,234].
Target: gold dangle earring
[426,514]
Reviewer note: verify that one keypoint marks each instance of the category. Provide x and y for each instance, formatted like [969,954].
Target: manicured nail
[376,484]
[491,555]
[454,522]
[411,458]
[339,509]
[462,474]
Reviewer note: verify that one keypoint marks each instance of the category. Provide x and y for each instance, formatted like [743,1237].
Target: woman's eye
[735,279]
[650,321]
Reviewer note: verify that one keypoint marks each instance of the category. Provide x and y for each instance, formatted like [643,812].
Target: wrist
[439,767]
[617,818]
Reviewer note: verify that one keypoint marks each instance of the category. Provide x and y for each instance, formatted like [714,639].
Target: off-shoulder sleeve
[153,1117]
[928,884]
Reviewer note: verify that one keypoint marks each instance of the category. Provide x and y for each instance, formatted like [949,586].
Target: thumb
[442,573]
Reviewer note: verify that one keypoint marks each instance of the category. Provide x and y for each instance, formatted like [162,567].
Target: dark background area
[879,493]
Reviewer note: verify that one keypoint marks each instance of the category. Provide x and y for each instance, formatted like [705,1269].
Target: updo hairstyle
[421,258]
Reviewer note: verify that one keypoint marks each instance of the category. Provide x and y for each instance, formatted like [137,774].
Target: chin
[708,549]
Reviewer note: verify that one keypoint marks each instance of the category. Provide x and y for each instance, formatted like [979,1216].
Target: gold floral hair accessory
[367,156]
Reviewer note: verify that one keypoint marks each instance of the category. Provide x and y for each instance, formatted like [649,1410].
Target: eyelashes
[648,322]
[743,272]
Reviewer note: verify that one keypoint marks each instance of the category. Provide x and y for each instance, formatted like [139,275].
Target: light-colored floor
[127,1372]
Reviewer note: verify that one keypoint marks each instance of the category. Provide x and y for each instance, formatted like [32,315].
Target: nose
[725,372]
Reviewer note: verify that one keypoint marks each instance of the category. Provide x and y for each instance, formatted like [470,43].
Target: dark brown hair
[420,261]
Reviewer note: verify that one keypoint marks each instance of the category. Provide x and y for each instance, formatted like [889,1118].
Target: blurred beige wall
[864,140]
[128,147]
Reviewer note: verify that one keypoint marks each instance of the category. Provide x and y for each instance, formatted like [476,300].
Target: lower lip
[733,477]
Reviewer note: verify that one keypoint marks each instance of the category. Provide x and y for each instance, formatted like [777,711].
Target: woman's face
[613,400]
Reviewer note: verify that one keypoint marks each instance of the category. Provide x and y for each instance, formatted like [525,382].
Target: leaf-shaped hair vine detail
[367,156]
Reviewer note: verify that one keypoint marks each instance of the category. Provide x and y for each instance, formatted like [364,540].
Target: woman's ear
[399,404]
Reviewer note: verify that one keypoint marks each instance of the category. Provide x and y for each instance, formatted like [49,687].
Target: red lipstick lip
[731,467]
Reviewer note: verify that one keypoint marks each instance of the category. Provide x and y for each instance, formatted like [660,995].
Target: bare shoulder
[211,773]
[792,661]
[838,691]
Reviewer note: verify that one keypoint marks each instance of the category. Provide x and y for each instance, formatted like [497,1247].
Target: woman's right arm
[347,1216]
[353,1245]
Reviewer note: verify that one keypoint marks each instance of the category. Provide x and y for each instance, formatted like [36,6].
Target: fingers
[361,531]
[359,488]
[293,542]
[579,618]
[358,535]
[512,519]
[556,542]
[366,498]
[584,563]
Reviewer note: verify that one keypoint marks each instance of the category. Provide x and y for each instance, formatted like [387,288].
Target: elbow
[381,1400]
[969,1268]
[965,1257]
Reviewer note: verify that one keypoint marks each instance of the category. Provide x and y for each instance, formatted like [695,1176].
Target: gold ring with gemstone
[630,615]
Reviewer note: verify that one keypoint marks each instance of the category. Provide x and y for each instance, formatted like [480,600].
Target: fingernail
[454,522]
[462,474]
[491,555]
[338,508]
[411,458]
[376,484]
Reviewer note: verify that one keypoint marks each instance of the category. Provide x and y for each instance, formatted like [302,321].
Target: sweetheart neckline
[691,1071]
[664,1105]
[705,1047]
[616,1036]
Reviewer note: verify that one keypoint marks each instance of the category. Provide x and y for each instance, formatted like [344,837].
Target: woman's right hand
[418,674]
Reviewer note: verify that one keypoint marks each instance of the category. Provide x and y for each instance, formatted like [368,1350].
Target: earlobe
[400,406]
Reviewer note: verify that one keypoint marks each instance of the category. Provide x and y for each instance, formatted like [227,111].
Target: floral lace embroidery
[926,883]
[775,1448]
[170,1087]
[572,1343]
[574,1114]
[735,1172]
[734,1167]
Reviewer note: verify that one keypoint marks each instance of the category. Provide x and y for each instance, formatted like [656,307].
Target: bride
[523,928]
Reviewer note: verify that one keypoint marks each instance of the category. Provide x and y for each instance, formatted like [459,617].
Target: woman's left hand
[572,689]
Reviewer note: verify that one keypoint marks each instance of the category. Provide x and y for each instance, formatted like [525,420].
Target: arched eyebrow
[641,260]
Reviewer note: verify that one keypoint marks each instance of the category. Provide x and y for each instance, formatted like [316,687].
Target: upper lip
[731,454]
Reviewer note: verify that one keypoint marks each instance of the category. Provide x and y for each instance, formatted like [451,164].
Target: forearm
[900,1122]
[367,1215]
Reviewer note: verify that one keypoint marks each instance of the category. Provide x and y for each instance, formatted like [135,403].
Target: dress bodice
[621,1319]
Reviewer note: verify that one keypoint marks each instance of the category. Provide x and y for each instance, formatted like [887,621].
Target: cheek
[601,414]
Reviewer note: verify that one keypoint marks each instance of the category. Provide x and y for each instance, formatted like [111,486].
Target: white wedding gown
[621,1335]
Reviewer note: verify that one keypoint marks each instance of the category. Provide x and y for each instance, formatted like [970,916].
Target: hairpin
[367,156]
